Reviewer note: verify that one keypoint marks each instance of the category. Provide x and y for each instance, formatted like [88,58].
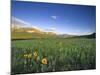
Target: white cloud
[21,23]
[37,28]
[54,17]
[52,29]
[17,21]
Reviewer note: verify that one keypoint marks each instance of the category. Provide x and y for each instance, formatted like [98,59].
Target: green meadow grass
[61,54]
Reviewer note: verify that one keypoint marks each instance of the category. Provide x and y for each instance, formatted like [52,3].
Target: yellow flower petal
[35,54]
[44,61]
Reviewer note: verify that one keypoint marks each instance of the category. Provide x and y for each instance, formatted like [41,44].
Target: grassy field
[48,55]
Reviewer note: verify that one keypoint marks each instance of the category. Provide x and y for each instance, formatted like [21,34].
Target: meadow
[52,54]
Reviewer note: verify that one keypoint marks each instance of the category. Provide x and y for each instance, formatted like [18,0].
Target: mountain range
[24,30]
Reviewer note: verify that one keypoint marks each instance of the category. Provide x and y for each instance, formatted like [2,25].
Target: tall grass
[61,55]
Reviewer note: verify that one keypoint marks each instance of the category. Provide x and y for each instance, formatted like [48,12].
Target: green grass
[61,54]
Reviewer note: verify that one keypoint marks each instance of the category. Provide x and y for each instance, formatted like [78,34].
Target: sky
[60,18]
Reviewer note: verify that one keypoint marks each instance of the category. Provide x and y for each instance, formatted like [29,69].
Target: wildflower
[29,55]
[25,55]
[35,54]
[44,61]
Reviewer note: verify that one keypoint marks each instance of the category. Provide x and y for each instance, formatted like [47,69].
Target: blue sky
[61,18]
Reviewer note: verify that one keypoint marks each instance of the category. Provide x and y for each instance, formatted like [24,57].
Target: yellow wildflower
[35,54]
[29,55]
[25,55]
[44,61]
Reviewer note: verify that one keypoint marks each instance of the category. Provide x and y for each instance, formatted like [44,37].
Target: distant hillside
[65,35]
[23,30]
[93,35]
[28,33]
